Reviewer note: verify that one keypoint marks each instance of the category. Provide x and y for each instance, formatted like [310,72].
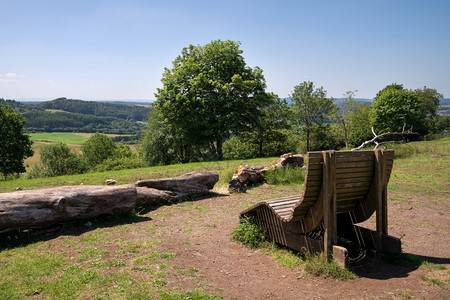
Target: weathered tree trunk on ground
[45,207]
[190,184]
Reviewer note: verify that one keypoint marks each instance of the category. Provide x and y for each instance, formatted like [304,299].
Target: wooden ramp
[342,188]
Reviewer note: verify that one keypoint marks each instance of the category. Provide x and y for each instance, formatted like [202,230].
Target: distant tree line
[68,115]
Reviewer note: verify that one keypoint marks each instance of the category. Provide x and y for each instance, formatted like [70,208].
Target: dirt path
[199,233]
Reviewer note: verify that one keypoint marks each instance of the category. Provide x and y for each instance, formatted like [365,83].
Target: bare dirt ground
[199,232]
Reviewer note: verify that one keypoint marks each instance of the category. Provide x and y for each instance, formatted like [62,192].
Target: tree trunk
[45,207]
[219,144]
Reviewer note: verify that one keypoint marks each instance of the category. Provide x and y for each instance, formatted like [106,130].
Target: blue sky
[98,50]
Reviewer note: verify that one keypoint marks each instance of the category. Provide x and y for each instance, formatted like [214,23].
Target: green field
[58,137]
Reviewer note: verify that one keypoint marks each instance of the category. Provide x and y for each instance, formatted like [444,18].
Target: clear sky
[102,50]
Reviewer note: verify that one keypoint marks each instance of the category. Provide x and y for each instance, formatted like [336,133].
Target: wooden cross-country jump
[342,188]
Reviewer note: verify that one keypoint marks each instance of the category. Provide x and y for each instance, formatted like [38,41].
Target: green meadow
[58,137]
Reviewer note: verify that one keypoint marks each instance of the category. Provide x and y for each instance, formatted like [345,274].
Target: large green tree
[429,100]
[270,133]
[98,148]
[311,108]
[160,144]
[210,93]
[395,107]
[15,145]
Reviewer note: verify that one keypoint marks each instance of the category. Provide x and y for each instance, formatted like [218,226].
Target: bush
[120,163]
[57,159]
[236,148]
[249,233]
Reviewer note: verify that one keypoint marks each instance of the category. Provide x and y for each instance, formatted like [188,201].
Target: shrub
[57,159]
[249,232]
[120,163]
[235,148]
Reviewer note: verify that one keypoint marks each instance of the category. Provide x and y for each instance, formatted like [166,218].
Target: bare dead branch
[374,140]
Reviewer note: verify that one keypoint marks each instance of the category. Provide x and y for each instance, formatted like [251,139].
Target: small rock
[110,181]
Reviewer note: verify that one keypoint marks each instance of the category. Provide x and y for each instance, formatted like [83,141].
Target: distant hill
[69,115]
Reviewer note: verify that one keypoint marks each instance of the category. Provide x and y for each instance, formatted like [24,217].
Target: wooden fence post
[381,196]
[329,204]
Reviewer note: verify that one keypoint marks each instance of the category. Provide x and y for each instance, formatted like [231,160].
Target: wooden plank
[314,166]
[345,154]
[314,172]
[354,179]
[311,183]
[354,159]
[354,164]
[366,173]
[354,170]
[326,204]
[350,185]
[364,188]
[352,195]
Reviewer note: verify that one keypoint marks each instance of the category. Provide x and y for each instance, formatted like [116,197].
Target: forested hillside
[69,115]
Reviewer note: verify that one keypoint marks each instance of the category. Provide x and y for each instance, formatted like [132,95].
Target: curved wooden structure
[341,189]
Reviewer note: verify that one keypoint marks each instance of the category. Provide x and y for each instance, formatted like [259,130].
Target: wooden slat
[346,154]
[349,185]
[363,188]
[354,170]
[356,175]
[354,179]
[346,159]
[351,195]
[315,167]
[354,164]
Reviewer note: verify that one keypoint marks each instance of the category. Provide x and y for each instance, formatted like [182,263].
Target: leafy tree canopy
[394,107]
[429,99]
[210,93]
[98,148]
[311,107]
[15,145]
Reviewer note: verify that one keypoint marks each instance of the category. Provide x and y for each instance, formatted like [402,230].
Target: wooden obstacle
[342,188]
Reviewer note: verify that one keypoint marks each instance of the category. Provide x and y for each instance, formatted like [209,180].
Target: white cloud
[11,75]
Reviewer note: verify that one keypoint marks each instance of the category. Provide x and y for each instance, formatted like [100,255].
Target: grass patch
[253,235]
[224,168]
[284,176]
[318,266]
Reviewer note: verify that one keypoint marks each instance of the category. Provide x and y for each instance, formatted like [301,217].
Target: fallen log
[44,207]
[190,184]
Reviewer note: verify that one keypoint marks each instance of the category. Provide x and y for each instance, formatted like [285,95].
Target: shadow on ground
[392,266]
[21,238]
